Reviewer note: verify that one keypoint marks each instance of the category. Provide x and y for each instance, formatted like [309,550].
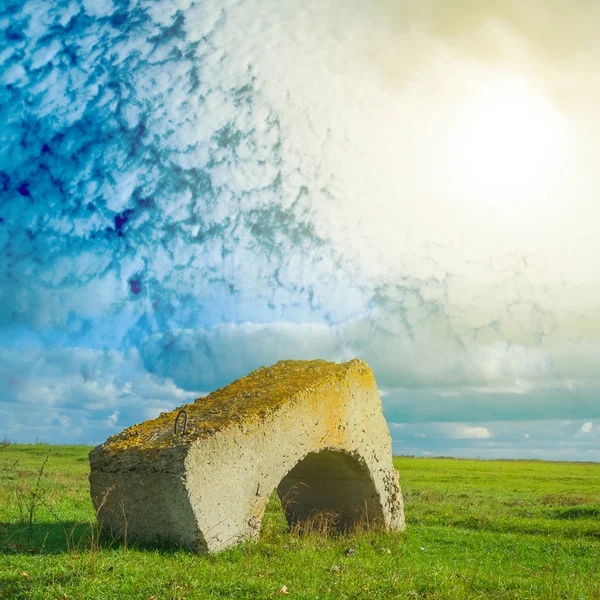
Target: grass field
[475,529]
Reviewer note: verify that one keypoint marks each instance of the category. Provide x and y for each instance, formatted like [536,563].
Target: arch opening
[333,486]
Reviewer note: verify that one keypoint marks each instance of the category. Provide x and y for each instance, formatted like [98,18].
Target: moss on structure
[251,398]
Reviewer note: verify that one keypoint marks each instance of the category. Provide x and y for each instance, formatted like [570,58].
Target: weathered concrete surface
[313,430]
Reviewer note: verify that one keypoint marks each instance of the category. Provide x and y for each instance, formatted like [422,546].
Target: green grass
[475,529]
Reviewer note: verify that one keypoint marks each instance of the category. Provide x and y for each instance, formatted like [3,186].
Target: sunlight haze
[189,190]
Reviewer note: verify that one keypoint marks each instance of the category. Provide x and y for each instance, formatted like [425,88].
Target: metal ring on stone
[269,372]
[311,367]
[185,417]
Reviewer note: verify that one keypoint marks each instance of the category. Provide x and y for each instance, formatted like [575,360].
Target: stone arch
[334,482]
[314,425]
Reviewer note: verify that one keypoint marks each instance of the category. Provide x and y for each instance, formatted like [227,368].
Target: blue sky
[189,190]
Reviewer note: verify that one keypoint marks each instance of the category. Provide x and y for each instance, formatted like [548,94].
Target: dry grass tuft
[567,500]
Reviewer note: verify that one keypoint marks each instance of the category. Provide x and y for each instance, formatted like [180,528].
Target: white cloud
[79,394]
[99,8]
[333,239]
[587,427]
[549,439]
[400,358]
[112,419]
[220,188]
[465,432]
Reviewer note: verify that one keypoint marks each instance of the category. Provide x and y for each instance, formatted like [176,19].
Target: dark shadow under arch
[333,482]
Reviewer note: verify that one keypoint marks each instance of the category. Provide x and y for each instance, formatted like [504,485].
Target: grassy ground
[476,529]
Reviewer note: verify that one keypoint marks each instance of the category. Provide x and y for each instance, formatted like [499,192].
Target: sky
[190,190]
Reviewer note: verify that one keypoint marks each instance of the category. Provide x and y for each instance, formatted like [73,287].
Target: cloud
[587,427]
[548,440]
[460,431]
[166,214]
[79,395]
[473,433]
[423,376]
[423,405]
[237,193]
[177,199]
[99,8]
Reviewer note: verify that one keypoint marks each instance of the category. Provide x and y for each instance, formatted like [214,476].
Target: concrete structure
[313,430]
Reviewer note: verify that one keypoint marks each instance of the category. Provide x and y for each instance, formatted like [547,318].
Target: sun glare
[506,145]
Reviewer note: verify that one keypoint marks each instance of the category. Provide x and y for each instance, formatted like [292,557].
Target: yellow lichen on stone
[246,400]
